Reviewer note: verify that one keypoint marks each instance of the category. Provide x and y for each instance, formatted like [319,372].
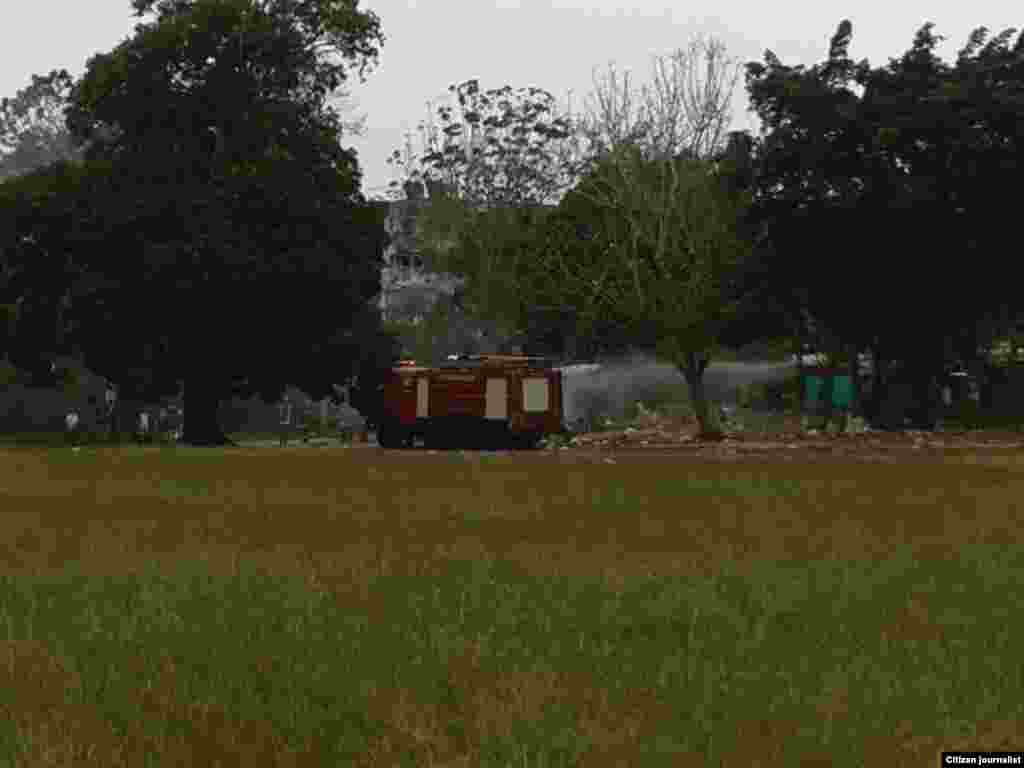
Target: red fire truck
[478,401]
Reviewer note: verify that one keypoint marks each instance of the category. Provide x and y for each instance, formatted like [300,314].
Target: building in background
[408,289]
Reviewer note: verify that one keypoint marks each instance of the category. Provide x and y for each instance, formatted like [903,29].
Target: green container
[842,390]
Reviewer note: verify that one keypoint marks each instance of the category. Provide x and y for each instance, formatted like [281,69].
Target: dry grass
[265,607]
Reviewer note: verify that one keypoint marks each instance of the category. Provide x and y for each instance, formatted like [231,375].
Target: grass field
[95,438]
[163,606]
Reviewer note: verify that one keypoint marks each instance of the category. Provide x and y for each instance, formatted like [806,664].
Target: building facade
[408,289]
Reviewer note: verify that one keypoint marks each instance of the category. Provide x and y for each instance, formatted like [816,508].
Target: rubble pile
[651,431]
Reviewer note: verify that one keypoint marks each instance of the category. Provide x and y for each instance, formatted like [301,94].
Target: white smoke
[611,388]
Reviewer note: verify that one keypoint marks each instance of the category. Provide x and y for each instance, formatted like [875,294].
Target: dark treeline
[881,209]
[210,233]
[184,214]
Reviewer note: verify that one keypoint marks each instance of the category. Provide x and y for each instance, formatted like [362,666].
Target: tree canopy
[226,243]
[893,175]
[498,162]
[33,132]
[661,253]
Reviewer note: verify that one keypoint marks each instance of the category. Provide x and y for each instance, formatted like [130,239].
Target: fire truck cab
[479,401]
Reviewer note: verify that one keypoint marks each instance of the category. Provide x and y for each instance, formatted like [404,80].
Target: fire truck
[471,401]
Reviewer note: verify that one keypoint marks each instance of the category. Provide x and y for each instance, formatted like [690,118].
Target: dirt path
[663,442]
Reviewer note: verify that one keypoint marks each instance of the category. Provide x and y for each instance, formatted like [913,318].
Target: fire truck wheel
[525,442]
[439,439]
[391,435]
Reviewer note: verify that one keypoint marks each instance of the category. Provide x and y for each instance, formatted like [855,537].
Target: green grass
[713,653]
[167,607]
[43,439]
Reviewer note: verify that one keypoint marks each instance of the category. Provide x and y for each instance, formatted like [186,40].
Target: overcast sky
[549,44]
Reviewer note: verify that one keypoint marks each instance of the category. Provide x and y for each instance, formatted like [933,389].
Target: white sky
[549,44]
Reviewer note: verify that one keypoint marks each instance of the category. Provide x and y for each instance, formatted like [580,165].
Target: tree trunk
[800,377]
[854,371]
[693,371]
[923,412]
[827,385]
[114,422]
[879,388]
[986,383]
[202,400]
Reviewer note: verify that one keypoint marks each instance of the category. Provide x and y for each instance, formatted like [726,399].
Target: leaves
[918,154]
[664,242]
[244,221]
[492,150]
[684,109]
[32,126]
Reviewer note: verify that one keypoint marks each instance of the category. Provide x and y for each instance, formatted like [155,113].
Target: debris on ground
[651,432]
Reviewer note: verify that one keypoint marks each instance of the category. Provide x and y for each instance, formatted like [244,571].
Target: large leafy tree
[489,160]
[811,170]
[969,151]
[47,220]
[499,146]
[374,347]
[662,252]
[503,150]
[237,249]
[33,132]
[879,175]
[766,308]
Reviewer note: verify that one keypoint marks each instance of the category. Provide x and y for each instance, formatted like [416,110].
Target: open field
[96,439]
[350,606]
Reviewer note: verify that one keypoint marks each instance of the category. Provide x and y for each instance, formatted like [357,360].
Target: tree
[815,184]
[486,161]
[980,106]
[32,128]
[226,188]
[684,109]
[42,212]
[477,166]
[503,147]
[35,142]
[766,308]
[841,167]
[664,253]
[375,347]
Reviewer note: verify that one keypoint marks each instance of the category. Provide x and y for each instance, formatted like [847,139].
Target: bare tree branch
[683,110]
